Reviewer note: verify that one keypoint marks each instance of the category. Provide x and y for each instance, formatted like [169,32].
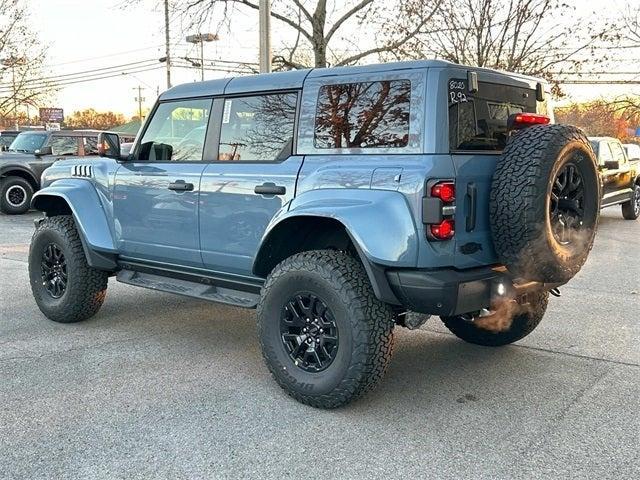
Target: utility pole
[15,95]
[201,38]
[265,36]
[167,41]
[139,99]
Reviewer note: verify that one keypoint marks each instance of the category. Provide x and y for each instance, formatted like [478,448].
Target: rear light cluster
[518,121]
[439,209]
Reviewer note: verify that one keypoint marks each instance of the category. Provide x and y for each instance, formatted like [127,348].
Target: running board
[189,288]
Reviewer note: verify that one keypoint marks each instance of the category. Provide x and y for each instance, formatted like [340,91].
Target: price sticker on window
[226,114]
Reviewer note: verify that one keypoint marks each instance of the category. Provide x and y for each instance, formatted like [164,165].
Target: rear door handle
[269,188]
[180,186]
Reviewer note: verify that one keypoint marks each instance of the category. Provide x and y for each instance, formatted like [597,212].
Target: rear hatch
[477,136]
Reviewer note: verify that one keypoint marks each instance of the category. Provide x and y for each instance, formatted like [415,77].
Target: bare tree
[319,24]
[21,60]
[629,105]
[632,24]
[516,35]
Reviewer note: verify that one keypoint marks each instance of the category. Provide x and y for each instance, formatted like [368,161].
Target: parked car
[333,201]
[29,155]
[6,137]
[620,176]
[632,150]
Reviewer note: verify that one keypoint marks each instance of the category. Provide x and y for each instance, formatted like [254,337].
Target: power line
[88,79]
[599,82]
[110,55]
[578,74]
[86,73]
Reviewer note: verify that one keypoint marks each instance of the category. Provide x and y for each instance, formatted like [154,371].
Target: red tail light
[438,210]
[443,230]
[518,121]
[445,191]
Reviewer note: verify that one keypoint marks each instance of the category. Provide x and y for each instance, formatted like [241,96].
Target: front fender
[379,222]
[83,201]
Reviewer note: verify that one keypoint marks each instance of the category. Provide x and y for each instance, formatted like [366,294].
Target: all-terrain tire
[15,195]
[522,324]
[86,287]
[631,209]
[364,326]
[521,203]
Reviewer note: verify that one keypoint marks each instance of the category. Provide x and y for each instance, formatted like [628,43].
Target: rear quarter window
[363,115]
[479,121]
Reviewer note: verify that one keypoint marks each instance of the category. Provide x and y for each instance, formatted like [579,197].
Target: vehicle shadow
[428,368]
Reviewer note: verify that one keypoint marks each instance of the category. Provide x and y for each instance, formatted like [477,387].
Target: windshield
[28,142]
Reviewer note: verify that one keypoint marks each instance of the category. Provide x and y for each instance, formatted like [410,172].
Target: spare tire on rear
[545,203]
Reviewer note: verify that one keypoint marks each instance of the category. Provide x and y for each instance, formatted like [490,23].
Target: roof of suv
[295,78]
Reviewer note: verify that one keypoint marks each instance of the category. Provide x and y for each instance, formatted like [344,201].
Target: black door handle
[181,186]
[269,188]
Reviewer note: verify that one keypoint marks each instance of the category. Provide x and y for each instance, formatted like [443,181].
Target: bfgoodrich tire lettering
[365,328]
[526,208]
[85,287]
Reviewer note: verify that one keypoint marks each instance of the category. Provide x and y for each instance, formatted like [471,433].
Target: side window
[64,145]
[258,128]
[176,132]
[90,145]
[604,153]
[479,121]
[363,115]
[618,153]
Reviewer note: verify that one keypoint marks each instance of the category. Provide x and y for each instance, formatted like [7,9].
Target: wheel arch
[79,199]
[304,232]
[22,172]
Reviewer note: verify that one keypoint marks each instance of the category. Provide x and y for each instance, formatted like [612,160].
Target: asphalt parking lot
[159,386]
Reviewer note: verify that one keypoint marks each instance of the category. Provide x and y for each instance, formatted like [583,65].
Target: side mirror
[109,145]
[612,165]
[43,151]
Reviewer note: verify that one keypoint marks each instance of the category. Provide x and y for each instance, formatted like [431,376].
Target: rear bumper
[449,292]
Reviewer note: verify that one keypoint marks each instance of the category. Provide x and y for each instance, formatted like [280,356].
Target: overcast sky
[88,34]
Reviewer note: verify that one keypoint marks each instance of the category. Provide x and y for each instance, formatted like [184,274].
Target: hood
[16,156]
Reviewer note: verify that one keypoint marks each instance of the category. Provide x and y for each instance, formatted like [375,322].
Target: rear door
[253,177]
[609,175]
[477,136]
[155,198]
[624,178]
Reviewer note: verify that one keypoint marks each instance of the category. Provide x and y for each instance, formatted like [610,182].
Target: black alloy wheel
[566,208]
[309,332]
[16,195]
[54,270]
[631,209]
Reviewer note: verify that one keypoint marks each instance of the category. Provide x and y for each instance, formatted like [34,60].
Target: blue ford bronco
[334,201]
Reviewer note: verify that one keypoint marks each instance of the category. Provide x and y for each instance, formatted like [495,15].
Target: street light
[201,38]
